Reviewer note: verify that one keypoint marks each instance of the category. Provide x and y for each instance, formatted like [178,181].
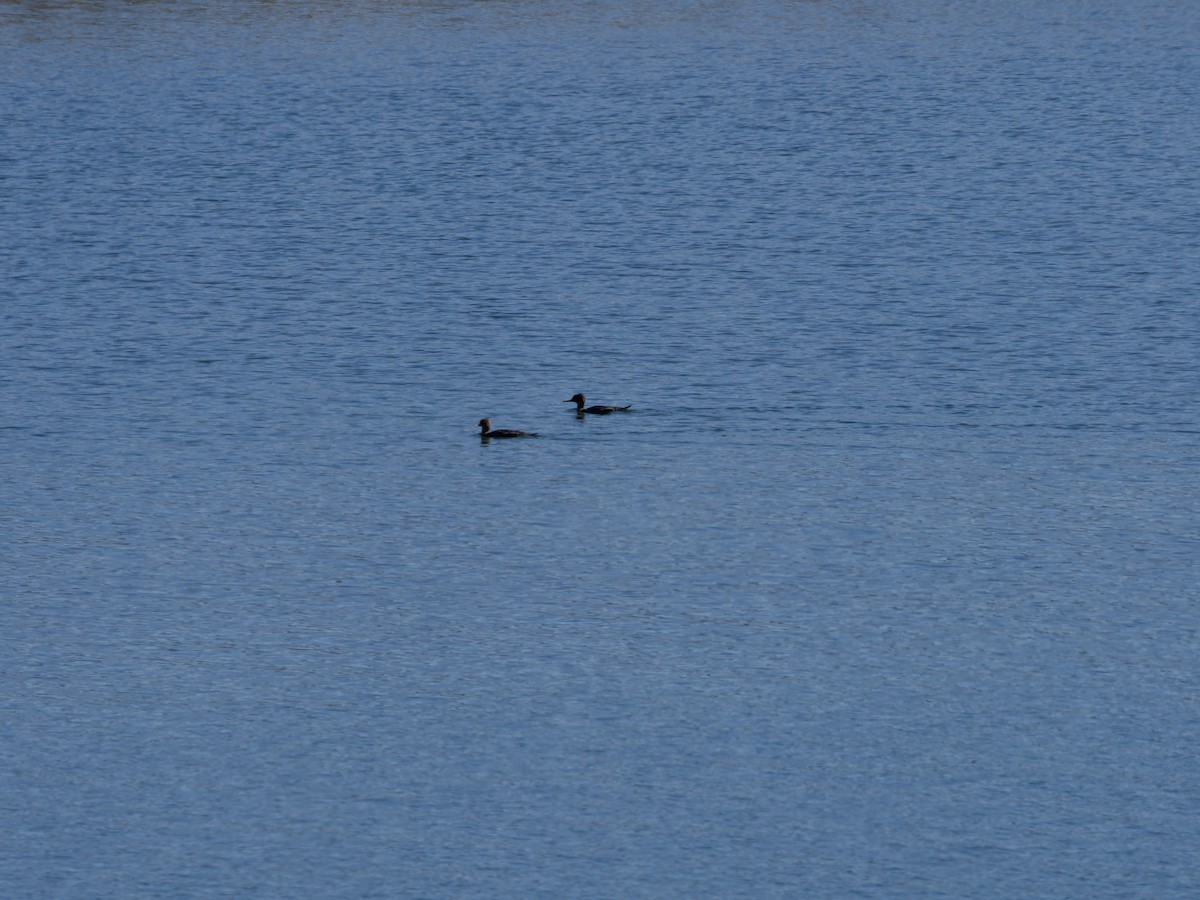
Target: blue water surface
[886,586]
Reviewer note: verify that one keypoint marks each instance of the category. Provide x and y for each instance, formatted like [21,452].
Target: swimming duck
[579,400]
[485,431]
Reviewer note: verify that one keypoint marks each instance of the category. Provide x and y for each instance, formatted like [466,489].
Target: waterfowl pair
[581,407]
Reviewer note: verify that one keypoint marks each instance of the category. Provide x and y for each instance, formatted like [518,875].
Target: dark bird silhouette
[579,400]
[485,431]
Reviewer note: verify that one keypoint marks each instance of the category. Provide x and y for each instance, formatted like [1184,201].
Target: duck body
[581,407]
[485,431]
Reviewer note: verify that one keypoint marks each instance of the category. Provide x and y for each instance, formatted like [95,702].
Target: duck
[579,400]
[485,431]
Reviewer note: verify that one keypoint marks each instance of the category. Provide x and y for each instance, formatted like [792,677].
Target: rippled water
[886,585]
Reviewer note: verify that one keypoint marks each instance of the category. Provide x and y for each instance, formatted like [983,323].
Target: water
[886,586]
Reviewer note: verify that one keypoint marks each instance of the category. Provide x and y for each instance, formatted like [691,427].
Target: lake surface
[887,586]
